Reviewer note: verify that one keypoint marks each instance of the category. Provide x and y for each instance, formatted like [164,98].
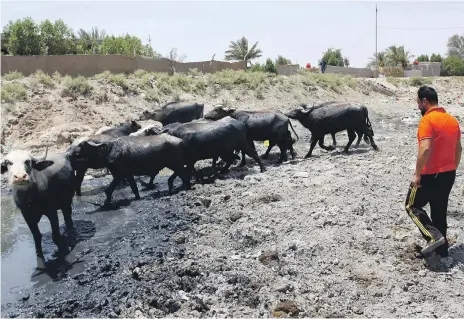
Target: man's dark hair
[428,93]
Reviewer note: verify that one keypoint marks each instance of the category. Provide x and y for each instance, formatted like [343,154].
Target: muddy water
[94,229]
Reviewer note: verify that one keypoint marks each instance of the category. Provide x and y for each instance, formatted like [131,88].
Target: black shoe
[432,245]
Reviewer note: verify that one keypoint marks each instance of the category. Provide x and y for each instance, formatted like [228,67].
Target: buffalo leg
[248,150]
[374,146]
[67,214]
[109,191]
[351,138]
[313,144]
[32,222]
[229,159]
[283,151]
[321,144]
[360,135]
[334,142]
[251,146]
[80,173]
[271,145]
[133,186]
[56,236]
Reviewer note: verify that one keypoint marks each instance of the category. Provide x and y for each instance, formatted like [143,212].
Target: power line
[420,29]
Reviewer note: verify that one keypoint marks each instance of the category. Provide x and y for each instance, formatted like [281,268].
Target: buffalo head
[296,114]
[19,164]
[218,113]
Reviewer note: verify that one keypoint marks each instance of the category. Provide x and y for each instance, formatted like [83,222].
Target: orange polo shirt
[444,131]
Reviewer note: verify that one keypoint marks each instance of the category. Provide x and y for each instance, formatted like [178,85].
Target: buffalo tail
[290,122]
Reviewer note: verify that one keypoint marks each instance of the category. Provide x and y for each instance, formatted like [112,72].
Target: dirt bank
[327,236]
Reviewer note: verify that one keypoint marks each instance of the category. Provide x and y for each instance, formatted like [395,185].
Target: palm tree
[93,35]
[398,55]
[381,59]
[238,51]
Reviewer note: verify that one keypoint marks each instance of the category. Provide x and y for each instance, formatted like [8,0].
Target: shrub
[73,87]
[419,81]
[14,75]
[119,80]
[14,92]
[453,65]
[152,95]
[44,79]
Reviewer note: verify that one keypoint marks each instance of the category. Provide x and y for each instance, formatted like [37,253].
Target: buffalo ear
[40,166]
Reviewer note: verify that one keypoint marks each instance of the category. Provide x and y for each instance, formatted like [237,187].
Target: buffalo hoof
[307,156]
[264,156]
[376,148]
[40,262]
[331,147]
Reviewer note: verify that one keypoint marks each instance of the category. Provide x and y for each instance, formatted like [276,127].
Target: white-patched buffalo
[41,186]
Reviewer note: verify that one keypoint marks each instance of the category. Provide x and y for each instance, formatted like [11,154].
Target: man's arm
[458,151]
[423,155]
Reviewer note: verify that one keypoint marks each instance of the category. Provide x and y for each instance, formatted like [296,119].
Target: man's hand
[415,181]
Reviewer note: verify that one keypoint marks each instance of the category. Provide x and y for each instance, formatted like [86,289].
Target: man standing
[439,138]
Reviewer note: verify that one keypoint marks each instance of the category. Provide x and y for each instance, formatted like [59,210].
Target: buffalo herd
[42,185]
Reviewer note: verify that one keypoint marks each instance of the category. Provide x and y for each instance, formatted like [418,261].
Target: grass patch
[119,80]
[419,81]
[73,87]
[14,75]
[44,79]
[14,92]
[152,95]
[393,80]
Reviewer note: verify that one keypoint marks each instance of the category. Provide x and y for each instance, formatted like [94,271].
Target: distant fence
[89,65]
[355,72]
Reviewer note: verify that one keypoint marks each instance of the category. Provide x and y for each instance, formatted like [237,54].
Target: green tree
[23,37]
[423,58]
[282,61]
[436,58]
[57,37]
[334,57]
[239,51]
[149,52]
[89,41]
[456,46]
[381,59]
[124,45]
[453,65]
[270,66]
[397,55]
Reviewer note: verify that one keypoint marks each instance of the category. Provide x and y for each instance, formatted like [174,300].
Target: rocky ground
[322,237]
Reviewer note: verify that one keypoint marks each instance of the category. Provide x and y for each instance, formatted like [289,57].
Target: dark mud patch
[123,258]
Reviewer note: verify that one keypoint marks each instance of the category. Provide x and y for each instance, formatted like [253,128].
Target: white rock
[301,174]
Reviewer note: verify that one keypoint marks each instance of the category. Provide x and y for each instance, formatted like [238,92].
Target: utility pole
[149,40]
[376,56]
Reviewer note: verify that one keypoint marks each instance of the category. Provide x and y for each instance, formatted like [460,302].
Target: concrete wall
[355,72]
[89,65]
[288,69]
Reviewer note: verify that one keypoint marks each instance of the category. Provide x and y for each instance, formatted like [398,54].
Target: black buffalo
[174,112]
[334,141]
[205,139]
[333,118]
[130,156]
[75,148]
[261,126]
[41,186]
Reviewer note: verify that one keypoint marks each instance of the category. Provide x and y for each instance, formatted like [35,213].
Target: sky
[299,30]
